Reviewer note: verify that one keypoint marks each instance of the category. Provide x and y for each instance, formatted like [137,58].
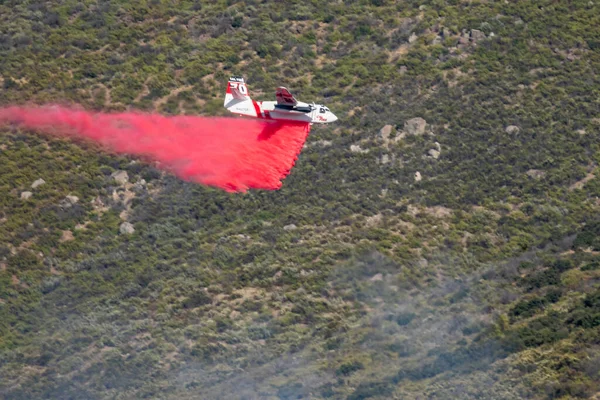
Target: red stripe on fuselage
[257,109]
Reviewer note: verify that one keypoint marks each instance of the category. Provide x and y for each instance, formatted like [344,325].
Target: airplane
[238,101]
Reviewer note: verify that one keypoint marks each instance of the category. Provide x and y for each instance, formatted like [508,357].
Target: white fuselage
[302,112]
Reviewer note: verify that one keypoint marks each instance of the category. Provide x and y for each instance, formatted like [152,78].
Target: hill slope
[437,241]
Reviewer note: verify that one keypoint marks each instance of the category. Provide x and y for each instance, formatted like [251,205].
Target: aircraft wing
[284,97]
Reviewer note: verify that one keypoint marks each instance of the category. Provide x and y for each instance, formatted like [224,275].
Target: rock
[126,228]
[37,183]
[323,143]
[413,38]
[140,184]
[512,129]
[374,220]
[68,201]
[26,195]
[418,176]
[477,35]
[403,69]
[120,176]
[97,203]
[415,126]
[536,173]
[376,277]
[434,153]
[72,199]
[384,133]
[290,227]
[356,149]
[385,159]
[438,146]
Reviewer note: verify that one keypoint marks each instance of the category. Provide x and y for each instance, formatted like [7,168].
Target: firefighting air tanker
[286,107]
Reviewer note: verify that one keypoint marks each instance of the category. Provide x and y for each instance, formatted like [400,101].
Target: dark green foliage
[198,299]
[405,318]
[349,368]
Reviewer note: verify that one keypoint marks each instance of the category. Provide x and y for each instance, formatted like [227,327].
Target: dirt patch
[145,91]
[402,50]
[580,184]
[173,93]
[67,236]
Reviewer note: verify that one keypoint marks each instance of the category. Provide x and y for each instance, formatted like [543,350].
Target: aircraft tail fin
[236,90]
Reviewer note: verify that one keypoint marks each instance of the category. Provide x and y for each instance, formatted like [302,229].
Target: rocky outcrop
[477,35]
[120,176]
[435,153]
[385,132]
[68,201]
[356,149]
[415,126]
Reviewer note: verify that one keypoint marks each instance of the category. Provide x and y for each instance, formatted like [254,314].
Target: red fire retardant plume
[230,153]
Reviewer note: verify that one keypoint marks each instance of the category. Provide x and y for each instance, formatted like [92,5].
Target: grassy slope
[450,286]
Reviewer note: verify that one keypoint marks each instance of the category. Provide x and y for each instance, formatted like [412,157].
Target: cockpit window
[322,110]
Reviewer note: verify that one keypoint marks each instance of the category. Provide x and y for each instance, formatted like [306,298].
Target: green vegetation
[478,281]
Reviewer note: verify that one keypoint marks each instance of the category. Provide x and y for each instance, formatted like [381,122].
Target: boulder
[418,176]
[385,132]
[68,201]
[413,38]
[434,153]
[126,228]
[415,126]
[290,227]
[120,176]
[536,173]
[38,182]
[511,129]
[26,195]
[356,149]
[141,184]
[477,35]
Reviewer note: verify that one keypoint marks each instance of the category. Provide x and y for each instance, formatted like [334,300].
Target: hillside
[438,241]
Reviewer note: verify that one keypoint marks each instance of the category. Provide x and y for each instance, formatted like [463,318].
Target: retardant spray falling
[229,153]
